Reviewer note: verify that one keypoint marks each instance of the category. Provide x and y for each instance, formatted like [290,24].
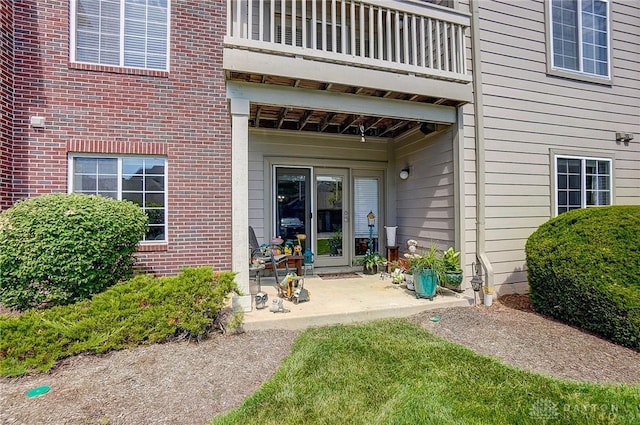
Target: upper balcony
[377,44]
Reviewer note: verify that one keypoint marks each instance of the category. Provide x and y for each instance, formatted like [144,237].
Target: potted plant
[452,269]
[335,243]
[396,271]
[371,261]
[428,270]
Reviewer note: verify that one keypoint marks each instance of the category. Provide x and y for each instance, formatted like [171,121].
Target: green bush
[143,310]
[61,248]
[584,269]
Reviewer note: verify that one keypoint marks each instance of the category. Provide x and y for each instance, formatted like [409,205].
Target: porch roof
[267,113]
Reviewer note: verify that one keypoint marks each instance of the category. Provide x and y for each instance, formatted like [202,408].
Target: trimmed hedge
[143,310]
[62,248]
[584,269]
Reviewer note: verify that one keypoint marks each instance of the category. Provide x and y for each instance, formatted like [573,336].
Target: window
[141,180]
[124,33]
[582,182]
[580,36]
[366,199]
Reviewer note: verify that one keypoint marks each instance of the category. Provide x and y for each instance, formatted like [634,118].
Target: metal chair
[308,261]
[275,260]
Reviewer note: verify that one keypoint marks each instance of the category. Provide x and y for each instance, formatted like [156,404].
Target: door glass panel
[329,215]
[292,204]
[366,200]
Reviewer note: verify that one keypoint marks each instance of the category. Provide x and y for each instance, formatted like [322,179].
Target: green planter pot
[425,281]
[453,279]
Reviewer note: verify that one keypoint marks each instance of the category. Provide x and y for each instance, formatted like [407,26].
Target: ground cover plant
[142,310]
[62,248]
[584,269]
[394,371]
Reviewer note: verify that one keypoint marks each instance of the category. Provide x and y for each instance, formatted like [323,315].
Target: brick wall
[182,114]
[6,101]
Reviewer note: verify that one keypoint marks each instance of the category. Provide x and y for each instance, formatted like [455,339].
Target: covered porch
[345,93]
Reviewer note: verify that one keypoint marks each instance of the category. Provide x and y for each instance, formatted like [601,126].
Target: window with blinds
[366,198]
[365,201]
[125,33]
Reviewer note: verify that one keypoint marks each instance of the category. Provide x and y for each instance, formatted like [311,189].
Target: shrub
[61,248]
[584,269]
[143,310]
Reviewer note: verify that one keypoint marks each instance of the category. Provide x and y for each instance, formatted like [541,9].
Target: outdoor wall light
[404,173]
[362,139]
[37,122]
[624,137]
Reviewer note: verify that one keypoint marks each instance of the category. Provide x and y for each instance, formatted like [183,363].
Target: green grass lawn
[395,372]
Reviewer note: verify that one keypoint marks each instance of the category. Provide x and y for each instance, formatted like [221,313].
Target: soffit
[298,119]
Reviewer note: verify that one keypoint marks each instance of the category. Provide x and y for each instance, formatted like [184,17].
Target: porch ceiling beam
[374,125]
[352,120]
[394,127]
[282,115]
[326,121]
[264,63]
[295,97]
[305,118]
[258,112]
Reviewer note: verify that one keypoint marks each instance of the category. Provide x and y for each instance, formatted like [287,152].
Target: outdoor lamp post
[371,220]
[476,281]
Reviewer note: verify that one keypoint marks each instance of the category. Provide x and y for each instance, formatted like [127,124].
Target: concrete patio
[347,300]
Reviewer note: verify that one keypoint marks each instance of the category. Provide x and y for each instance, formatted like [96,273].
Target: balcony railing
[405,36]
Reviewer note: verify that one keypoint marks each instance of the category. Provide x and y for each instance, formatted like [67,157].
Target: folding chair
[274,260]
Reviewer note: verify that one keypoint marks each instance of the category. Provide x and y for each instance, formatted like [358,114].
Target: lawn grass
[395,372]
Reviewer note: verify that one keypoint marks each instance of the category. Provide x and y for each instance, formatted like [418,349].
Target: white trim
[72,31]
[341,102]
[583,178]
[119,158]
[579,73]
[73,44]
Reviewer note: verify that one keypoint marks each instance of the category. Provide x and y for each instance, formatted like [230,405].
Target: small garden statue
[411,246]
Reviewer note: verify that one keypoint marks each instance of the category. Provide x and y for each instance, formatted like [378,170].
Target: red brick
[181,114]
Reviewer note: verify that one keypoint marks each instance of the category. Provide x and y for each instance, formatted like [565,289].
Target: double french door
[321,208]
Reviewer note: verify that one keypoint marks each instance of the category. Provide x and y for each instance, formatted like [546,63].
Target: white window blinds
[127,33]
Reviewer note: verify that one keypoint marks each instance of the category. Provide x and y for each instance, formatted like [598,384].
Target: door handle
[346,215]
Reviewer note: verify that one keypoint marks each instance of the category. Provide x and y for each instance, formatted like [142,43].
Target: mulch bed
[188,383]
[511,331]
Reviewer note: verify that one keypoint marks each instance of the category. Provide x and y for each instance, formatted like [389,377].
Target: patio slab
[346,300]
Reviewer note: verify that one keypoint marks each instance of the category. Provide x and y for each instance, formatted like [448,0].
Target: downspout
[479,146]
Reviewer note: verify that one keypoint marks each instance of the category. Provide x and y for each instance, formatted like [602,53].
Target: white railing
[403,36]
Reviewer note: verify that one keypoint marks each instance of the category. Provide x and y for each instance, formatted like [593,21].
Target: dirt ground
[187,383]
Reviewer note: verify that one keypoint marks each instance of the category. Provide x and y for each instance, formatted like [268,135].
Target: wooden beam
[352,120]
[392,128]
[326,121]
[281,116]
[258,112]
[305,118]
[296,97]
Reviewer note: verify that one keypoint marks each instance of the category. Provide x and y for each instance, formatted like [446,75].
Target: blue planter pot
[425,283]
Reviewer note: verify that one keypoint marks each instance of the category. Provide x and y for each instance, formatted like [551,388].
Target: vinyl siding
[302,149]
[528,113]
[425,201]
